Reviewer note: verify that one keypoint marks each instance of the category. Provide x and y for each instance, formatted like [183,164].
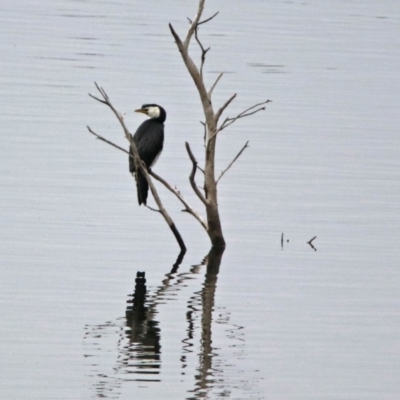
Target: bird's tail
[142,188]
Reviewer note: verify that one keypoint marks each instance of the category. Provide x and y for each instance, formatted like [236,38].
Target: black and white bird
[149,140]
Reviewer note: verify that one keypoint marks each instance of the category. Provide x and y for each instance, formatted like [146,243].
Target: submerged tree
[213,125]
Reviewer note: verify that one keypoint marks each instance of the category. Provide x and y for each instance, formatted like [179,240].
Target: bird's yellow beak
[141,110]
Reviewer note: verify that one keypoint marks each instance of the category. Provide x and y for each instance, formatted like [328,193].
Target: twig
[246,113]
[203,51]
[214,84]
[311,240]
[108,142]
[208,19]
[221,110]
[205,130]
[205,20]
[311,244]
[232,162]
[193,174]
[152,209]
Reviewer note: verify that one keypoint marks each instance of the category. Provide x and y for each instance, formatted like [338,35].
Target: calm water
[279,321]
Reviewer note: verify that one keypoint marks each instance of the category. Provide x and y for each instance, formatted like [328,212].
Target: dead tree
[212,125]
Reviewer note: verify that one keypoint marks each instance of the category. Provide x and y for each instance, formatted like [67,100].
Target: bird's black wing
[149,141]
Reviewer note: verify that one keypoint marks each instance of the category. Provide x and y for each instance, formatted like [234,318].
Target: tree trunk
[213,219]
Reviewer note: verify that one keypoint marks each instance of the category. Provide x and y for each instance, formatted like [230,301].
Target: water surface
[276,321]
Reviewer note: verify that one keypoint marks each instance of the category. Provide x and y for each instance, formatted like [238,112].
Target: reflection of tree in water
[139,336]
[213,376]
[203,302]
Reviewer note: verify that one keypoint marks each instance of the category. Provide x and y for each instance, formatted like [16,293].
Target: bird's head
[153,111]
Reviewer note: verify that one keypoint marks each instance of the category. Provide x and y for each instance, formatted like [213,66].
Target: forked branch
[194,24]
[188,208]
[246,113]
[221,110]
[107,102]
[196,36]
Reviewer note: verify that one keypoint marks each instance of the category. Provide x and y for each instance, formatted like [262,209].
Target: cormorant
[149,140]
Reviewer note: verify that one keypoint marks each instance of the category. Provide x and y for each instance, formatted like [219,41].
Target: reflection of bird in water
[144,333]
[149,140]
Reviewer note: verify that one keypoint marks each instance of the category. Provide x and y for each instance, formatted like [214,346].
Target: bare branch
[246,113]
[311,244]
[188,208]
[193,174]
[205,131]
[194,71]
[177,38]
[194,25]
[191,66]
[215,84]
[208,19]
[117,114]
[232,162]
[153,209]
[102,92]
[203,51]
[96,98]
[139,166]
[196,35]
[221,110]
[107,141]
[205,20]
